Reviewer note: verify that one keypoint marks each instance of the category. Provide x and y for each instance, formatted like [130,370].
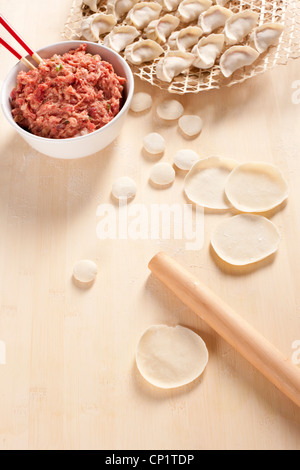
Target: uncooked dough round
[85,271]
[170,357]
[140,102]
[162,174]
[154,143]
[256,187]
[245,239]
[190,125]
[169,110]
[124,188]
[205,183]
[184,159]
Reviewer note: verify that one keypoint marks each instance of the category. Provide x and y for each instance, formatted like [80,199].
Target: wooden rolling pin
[233,328]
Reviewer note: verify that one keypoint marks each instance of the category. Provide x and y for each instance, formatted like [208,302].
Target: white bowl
[76,147]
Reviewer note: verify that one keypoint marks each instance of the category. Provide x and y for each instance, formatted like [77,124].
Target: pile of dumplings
[179,35]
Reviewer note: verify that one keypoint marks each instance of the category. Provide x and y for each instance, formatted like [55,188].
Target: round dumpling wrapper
[256,187]
[205,183]
[245,239]
[170,357]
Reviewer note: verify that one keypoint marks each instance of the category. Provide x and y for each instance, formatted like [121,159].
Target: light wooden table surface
[70,380]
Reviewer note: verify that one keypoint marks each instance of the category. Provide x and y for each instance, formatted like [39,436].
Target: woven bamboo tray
[287,12]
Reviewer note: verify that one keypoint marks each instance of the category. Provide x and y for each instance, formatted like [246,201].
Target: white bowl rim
[81,137]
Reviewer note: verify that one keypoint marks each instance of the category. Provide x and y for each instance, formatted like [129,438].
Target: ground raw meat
[68,96]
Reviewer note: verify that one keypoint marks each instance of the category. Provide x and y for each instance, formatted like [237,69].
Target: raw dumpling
[120,37]
[221,2]
[185,38]
[92,4]
[169,357]
[95,25]
[267,35]
[213,18]
[245,239]
[239,25]
[256,187]
[170,5]
[237,57]
[205,183]
[144,50]
[190,10]
[120,7]
[173,64]
[172,41]
[208,50]
[143,13]
[160,30]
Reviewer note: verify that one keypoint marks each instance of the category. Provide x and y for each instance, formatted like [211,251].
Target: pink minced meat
[68,96]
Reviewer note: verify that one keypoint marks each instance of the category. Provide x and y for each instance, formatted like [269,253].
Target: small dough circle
[154,143]
[169,110]
[184,159]
[256,187]
[245,239]
[162,174]
[170,357]
[124,188]
[205,183]
[85,271]
[140,102]
[190,125]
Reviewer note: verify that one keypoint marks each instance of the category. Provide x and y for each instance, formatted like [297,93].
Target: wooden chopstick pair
[18,38]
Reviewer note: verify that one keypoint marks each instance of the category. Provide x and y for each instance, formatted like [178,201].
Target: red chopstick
[18,38]
[10,49]
[16,54]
